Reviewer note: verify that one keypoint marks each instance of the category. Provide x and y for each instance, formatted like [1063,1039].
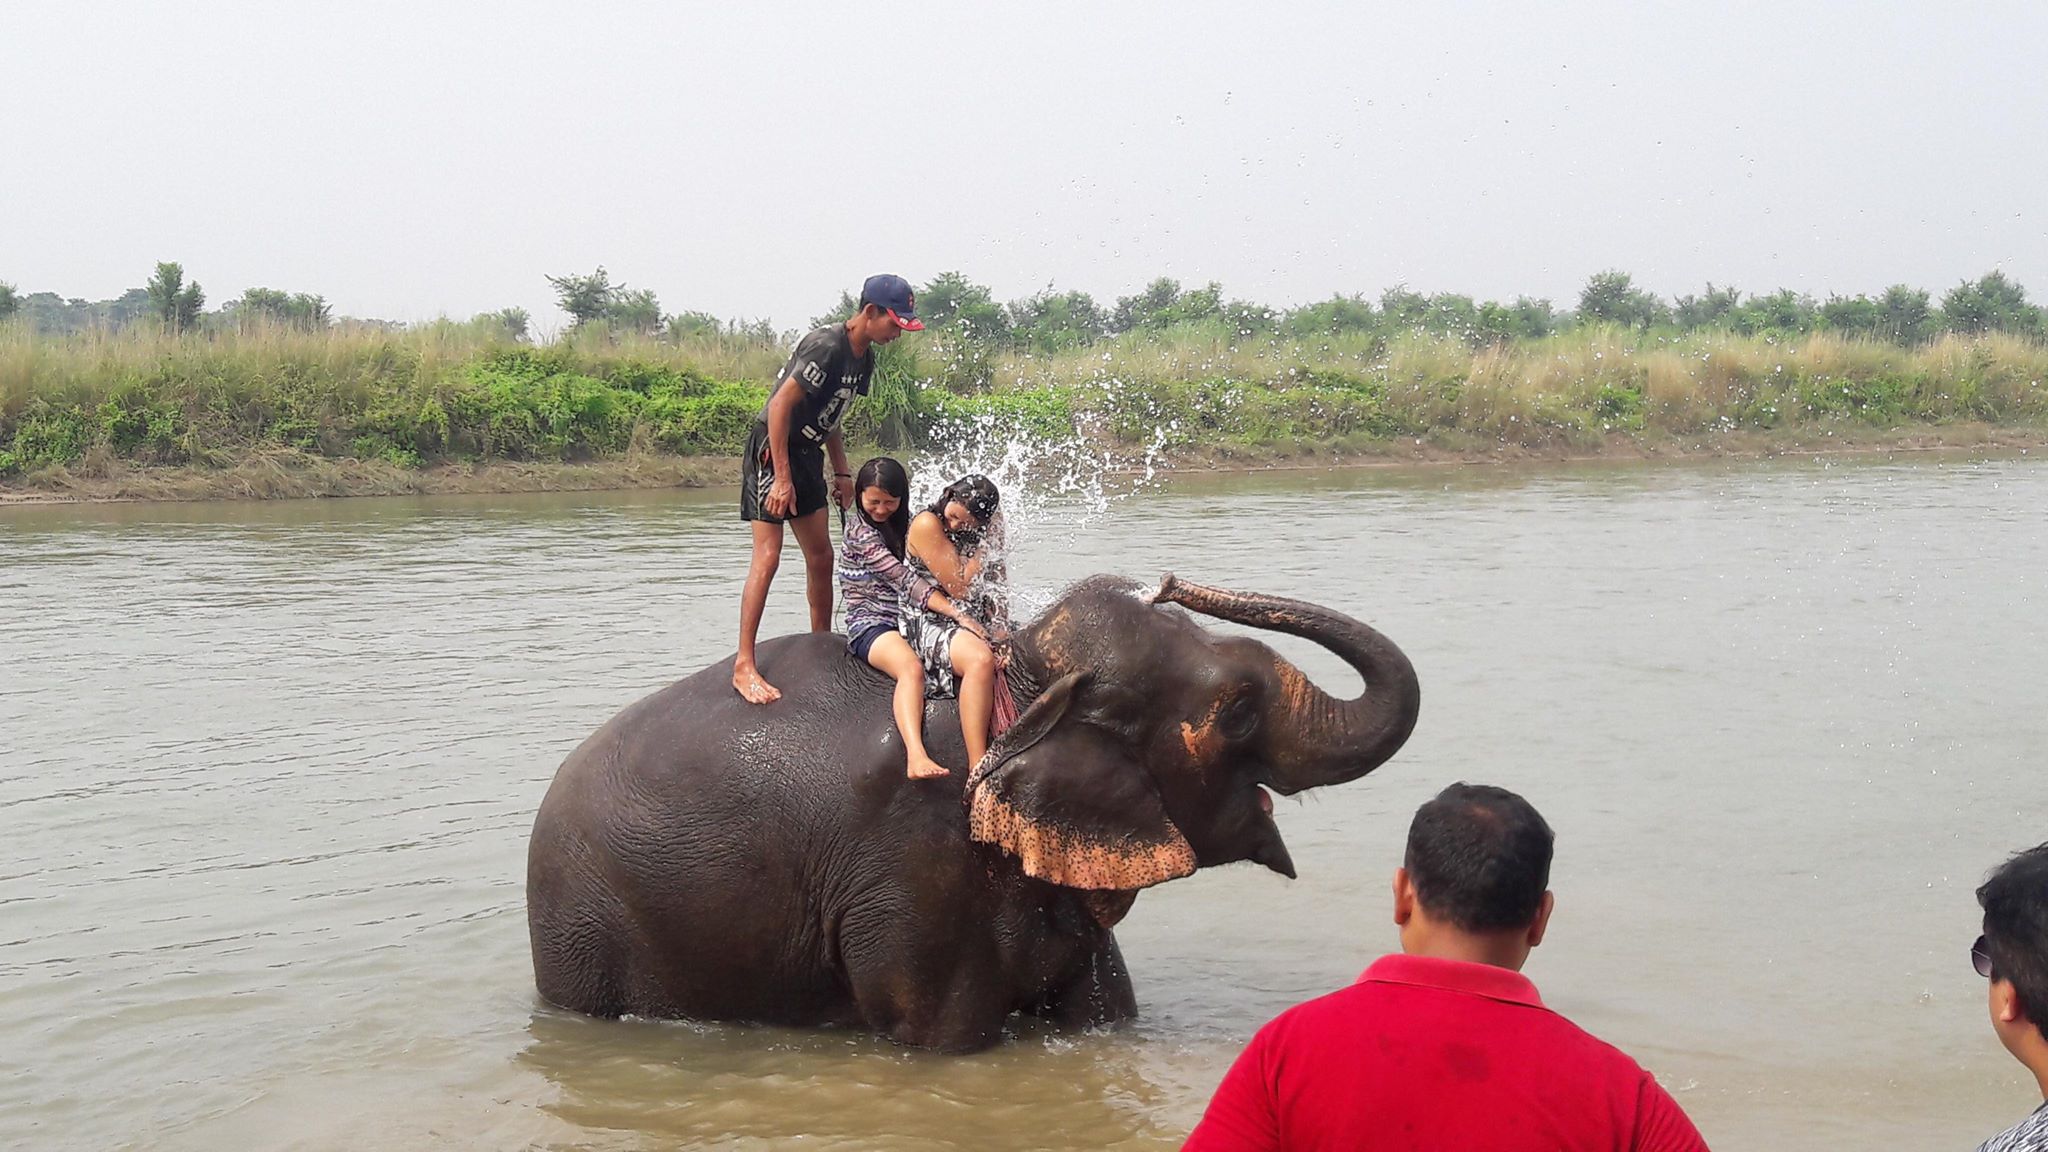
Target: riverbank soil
[289,474]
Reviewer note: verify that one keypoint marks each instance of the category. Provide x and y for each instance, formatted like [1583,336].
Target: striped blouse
[875,583]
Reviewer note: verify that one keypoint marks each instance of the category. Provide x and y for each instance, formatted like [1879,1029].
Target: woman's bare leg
[893,655]
[975,665]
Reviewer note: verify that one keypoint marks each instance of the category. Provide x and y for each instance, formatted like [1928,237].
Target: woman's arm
[871,553]
[929,544]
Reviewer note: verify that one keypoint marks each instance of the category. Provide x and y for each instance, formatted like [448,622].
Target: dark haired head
[1479,858]
[887,474]
[2015,901]
[977,494]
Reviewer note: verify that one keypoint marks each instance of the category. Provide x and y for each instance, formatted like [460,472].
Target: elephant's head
[1149,751]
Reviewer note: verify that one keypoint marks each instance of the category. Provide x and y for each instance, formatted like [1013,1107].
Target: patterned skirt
[931,637]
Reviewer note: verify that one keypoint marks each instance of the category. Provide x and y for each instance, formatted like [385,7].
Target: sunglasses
[1980,957]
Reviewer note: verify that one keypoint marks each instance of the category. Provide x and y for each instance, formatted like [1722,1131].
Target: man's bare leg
[815,538]
[746,679]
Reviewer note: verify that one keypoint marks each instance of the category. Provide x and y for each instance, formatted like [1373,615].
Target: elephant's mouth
[1267,846]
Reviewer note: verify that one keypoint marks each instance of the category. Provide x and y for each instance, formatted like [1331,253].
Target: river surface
[267,771]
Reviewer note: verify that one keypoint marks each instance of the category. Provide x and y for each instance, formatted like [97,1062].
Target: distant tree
[514,323]
[1992,304]
[1330,317]
[1245,318]
[952,302]
[1052,322]
[1908,316]
[1851,315]
[1401,307]
[633,310]
[1146,309]
[288,309]
[1452,314]
[1708,310]
[173,301]
[693,325]
[1781,313]
[1525,319]
[840,312]
[1611,297]
[9,302]
[1164,304]
[130,307]
[585,298]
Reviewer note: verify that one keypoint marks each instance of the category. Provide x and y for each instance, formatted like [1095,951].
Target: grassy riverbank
[278,412]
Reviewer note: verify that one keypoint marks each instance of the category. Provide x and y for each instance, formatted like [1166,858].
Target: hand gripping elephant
[703,857]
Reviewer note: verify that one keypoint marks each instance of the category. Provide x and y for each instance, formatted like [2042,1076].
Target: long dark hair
[887,474]
[977,494]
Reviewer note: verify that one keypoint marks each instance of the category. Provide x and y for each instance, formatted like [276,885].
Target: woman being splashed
[957,545]
[879,589]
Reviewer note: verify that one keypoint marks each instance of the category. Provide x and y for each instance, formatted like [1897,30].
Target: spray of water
[1053,487]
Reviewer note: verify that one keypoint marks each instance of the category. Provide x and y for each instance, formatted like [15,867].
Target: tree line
[1051,322]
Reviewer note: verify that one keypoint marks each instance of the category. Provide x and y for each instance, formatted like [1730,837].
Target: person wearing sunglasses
[2013,954]
[1446,1044]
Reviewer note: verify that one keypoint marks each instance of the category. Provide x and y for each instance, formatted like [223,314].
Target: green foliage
[1189,368]
[1163,304]
[839,313]
[175,303]
[584,298]
[634,310]
[1710,309]
[952,303]
[1332,317]
[898,409]
[1050,322]
[10,303]
[1525,319]
[1782,313]
[1906,316]
[1992,303]
[508,323]
[293,309]
[1612,298]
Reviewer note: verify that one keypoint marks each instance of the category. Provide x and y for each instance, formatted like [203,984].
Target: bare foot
[925,768]
[748,683]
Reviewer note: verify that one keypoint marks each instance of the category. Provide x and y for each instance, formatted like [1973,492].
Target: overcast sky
[435,156]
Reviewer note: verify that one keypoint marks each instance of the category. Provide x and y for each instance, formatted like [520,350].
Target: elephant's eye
[1238,718]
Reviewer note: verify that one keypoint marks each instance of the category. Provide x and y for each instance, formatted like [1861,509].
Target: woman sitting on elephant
[957,545]
[879,587]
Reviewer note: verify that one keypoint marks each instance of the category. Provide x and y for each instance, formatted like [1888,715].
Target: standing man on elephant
[782,474]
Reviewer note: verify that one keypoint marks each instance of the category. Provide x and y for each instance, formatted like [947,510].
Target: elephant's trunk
[1313,739]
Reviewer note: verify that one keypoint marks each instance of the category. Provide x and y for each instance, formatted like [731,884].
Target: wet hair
[2015,901]
[1479,857]
[975,493]
[887,474]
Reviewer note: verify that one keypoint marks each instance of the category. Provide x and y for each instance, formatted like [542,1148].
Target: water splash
[1054,486]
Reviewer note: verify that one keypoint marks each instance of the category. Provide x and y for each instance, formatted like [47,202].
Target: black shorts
[757,475]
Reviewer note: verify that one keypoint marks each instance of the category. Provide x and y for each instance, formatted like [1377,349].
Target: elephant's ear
[1070,802]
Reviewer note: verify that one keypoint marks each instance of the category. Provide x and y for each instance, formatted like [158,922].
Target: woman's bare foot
[746,680]
[925,768]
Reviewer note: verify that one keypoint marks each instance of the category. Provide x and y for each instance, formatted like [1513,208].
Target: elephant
[700,857]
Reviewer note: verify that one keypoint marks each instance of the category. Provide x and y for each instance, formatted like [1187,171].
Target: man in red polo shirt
[1446,1047]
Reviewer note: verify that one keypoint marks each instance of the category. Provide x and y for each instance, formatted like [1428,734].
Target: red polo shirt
[1440,1055]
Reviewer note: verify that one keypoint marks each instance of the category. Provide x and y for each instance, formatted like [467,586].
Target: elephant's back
[676,856]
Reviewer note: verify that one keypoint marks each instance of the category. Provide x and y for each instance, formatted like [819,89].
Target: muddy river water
[266,774]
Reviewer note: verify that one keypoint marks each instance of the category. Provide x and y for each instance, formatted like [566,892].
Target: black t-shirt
[830,375]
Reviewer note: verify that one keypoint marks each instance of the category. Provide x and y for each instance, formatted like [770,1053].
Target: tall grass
[1573,389]
[456,391]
